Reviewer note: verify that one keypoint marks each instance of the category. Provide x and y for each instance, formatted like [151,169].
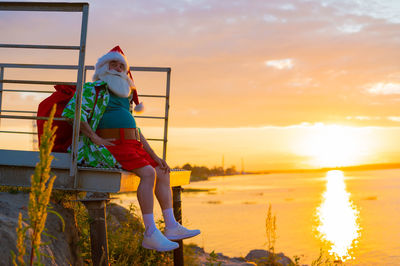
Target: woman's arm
[96,139]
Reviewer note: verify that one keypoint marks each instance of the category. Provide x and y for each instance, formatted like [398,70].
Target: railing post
[79,87]
[166,114]
[177,205]
[98,229]
[1,89]
[84,75]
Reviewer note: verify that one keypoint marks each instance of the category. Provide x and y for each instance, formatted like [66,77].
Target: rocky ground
[62,249]
[254,257]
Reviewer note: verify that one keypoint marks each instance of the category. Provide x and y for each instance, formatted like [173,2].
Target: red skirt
[130,154]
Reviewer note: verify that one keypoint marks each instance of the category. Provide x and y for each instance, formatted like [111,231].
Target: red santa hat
[116,54]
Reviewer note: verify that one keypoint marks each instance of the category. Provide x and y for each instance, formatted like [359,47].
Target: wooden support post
[98,230]
[177,204]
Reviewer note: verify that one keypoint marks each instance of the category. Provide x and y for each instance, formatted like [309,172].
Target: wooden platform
[16,168]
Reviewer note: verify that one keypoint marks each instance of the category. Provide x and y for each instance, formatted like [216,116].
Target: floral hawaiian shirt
[92,109]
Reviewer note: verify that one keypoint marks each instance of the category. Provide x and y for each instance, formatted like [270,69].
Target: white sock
[169,218]
[149,224]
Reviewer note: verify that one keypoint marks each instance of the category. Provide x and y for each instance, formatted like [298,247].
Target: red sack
[61,97]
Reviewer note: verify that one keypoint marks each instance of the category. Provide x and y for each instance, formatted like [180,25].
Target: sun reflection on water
[338,218]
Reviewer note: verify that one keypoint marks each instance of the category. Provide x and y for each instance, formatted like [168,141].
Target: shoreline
[363,167]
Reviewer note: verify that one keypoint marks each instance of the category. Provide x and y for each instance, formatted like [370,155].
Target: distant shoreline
[343,168]
[196,176]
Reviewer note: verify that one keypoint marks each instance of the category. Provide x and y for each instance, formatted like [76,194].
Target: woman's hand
[163,164]
[100,141]
[96,139]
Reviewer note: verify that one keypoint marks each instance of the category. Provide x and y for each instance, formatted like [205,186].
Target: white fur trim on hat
[139,108]
[110,56]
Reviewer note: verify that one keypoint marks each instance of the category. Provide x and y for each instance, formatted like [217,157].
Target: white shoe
[158,242]
[179,232]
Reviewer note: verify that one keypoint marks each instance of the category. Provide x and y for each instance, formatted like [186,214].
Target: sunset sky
[279,84]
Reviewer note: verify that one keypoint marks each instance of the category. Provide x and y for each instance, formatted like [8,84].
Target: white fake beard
[117,82]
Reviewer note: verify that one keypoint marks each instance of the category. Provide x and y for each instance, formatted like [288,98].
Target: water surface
[362,214]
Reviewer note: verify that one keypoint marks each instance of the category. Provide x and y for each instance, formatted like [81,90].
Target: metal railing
[32,116]
[81,75]
[56,7]
[86,68]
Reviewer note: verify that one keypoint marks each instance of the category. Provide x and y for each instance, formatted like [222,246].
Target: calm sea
[354,216]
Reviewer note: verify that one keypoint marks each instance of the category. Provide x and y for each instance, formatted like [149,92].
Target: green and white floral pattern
[90,154]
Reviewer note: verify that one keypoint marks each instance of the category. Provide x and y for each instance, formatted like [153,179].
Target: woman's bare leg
[163,189]
[145,191]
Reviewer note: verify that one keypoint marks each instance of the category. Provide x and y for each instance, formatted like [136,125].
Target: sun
[333,146]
